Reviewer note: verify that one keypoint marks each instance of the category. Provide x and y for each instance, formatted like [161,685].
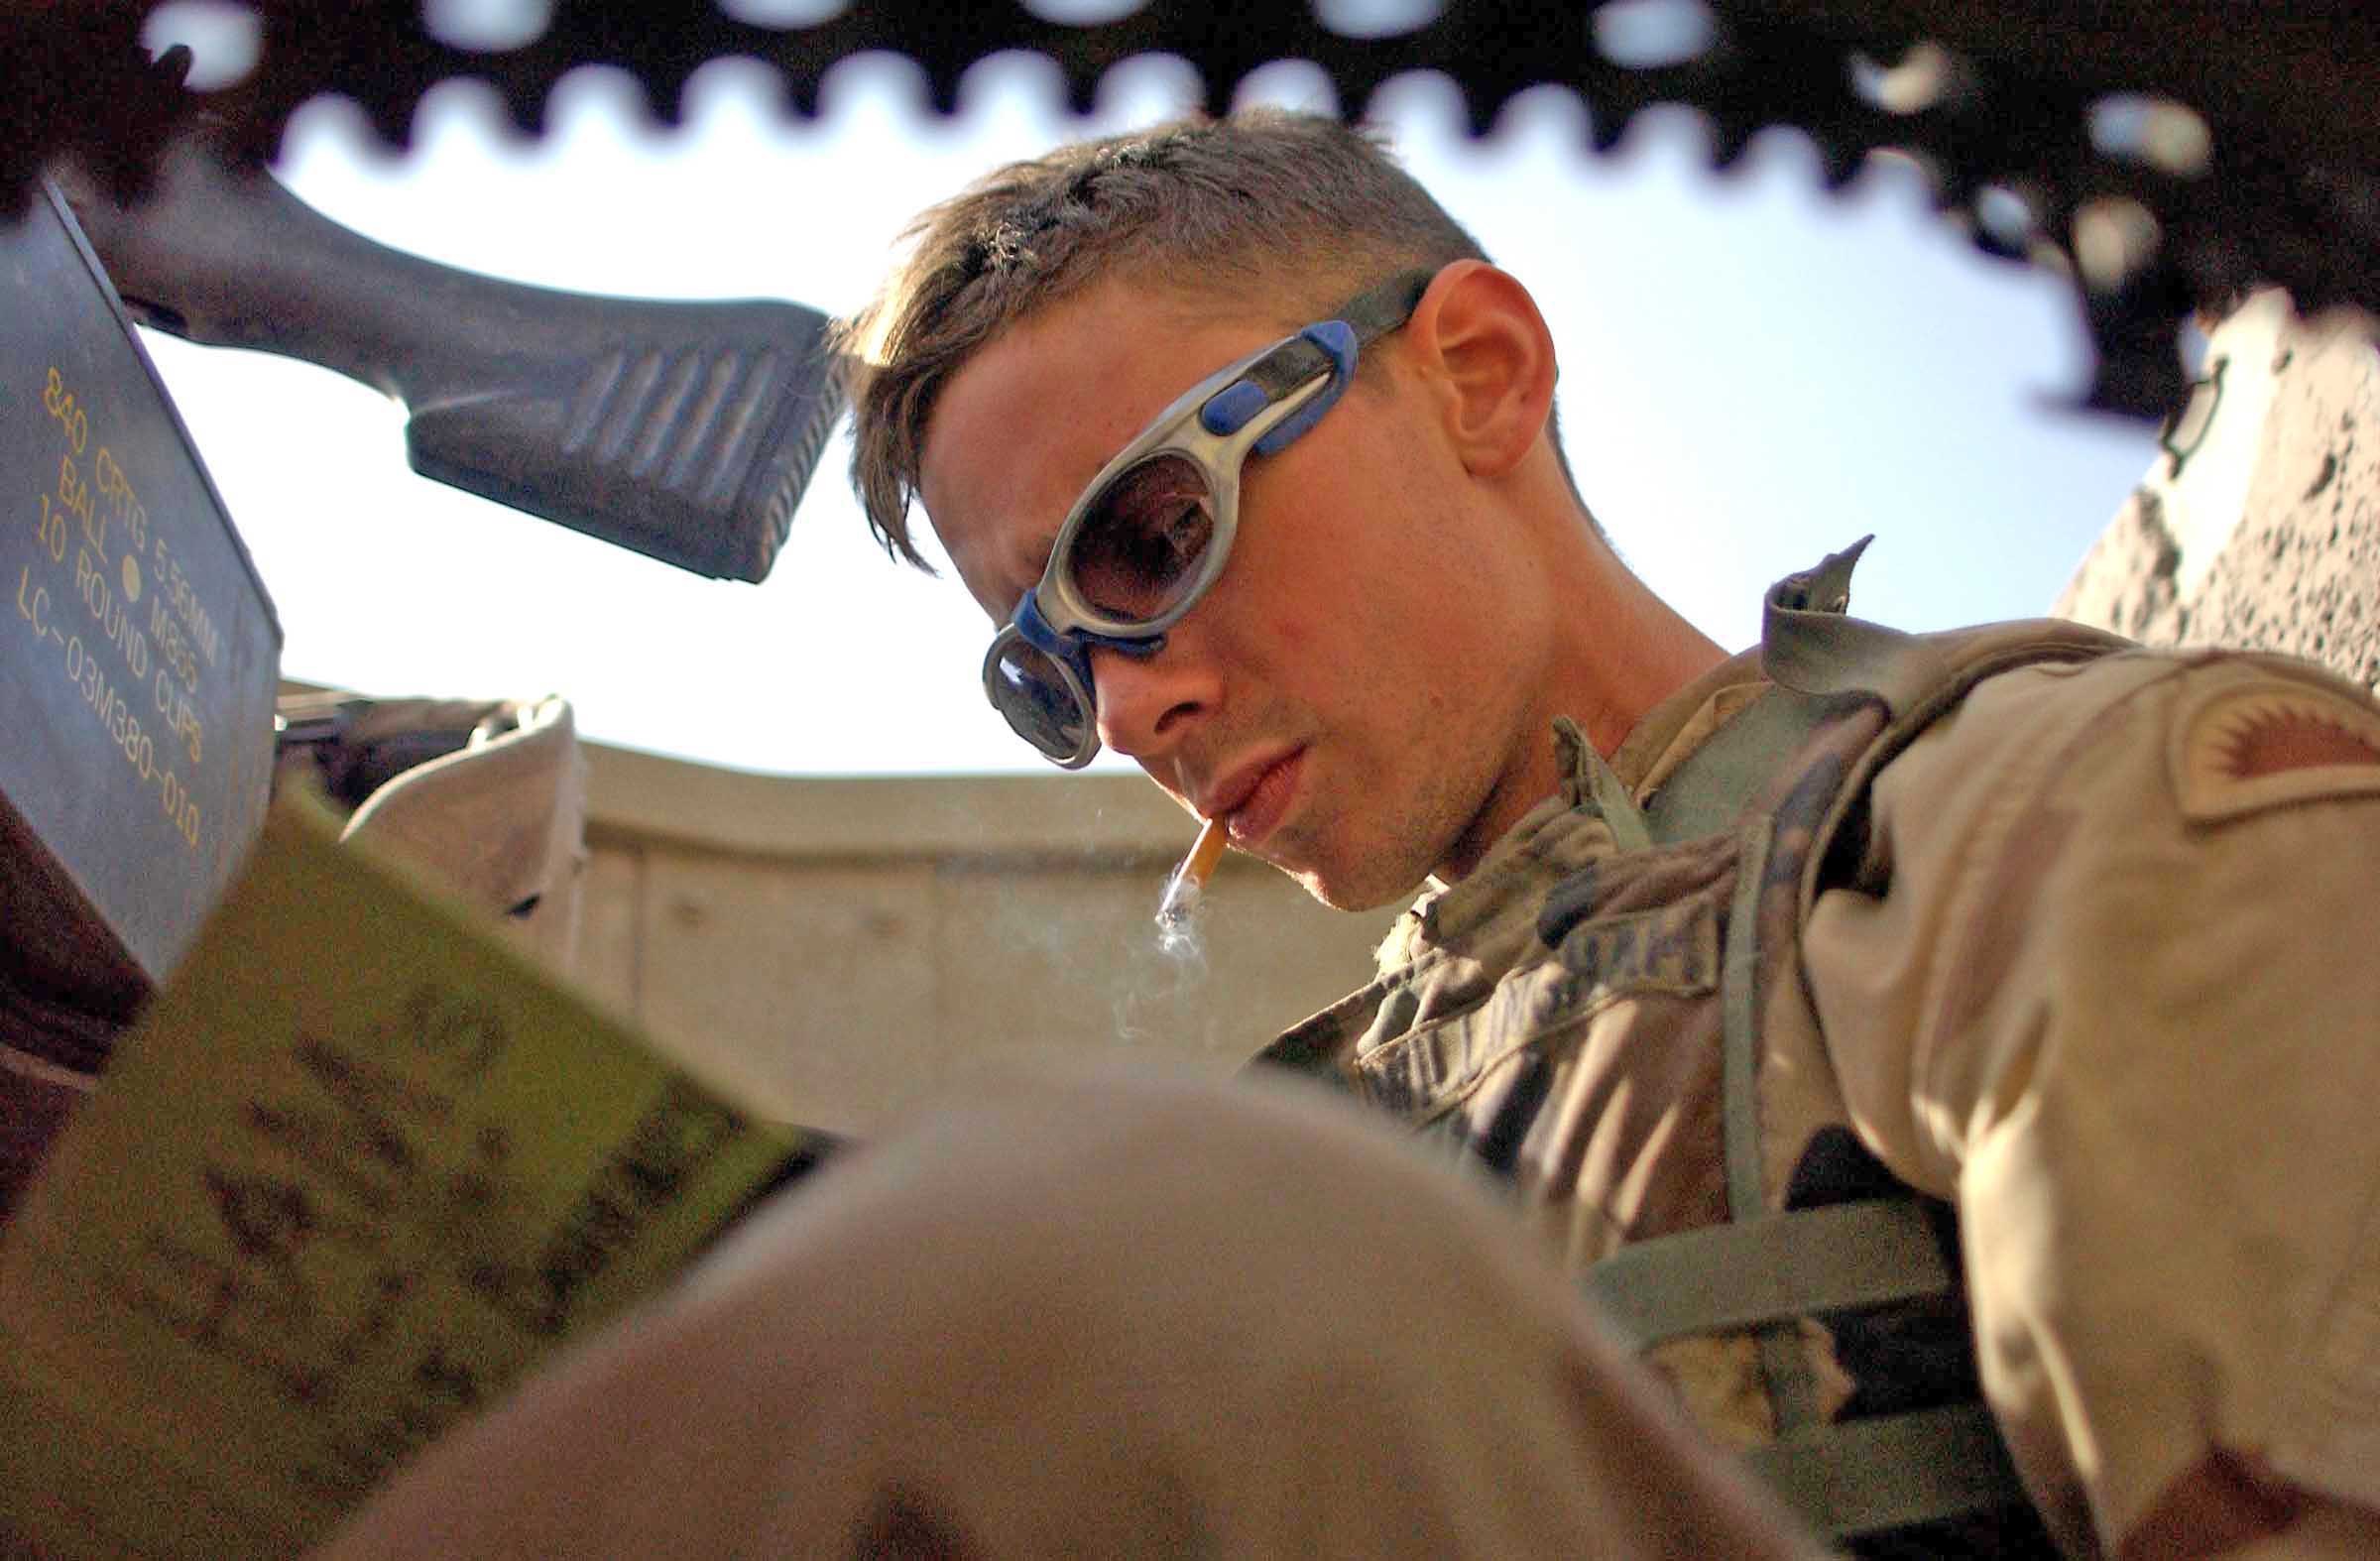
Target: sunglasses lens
[1038,697]
[1136,551]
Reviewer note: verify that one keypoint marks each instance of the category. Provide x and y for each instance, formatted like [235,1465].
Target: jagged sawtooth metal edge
[896,26]
[528,91]
[525,89]
[390,94]
[1081,88]
[526,77]
[1765,71]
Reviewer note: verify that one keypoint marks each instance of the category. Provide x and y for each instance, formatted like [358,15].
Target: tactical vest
[1603,1058]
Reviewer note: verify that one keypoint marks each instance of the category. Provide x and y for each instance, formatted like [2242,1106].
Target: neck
[1617,652]
[1624,658]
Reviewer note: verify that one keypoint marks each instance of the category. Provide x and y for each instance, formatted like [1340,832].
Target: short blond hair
[1295,211]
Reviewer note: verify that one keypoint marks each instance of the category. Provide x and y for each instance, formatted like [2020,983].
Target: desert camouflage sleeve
[2116,992]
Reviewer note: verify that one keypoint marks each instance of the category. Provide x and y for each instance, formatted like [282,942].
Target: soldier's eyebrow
[1034,557]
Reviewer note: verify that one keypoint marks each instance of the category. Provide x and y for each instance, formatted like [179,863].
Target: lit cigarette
[1189,879]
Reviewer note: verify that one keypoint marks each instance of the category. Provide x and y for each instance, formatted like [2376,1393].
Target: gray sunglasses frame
[1179,430]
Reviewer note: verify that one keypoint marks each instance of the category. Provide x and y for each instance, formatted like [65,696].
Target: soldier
[1946,1058]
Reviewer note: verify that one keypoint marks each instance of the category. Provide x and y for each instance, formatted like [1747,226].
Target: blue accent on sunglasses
[1231,408]
[1074,645]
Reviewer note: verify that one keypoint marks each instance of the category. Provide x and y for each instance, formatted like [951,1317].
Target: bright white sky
[1753,374]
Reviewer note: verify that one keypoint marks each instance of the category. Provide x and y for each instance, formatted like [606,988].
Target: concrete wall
[842,947]
[2261,527]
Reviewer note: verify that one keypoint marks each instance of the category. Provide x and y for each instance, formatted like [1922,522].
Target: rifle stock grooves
[684,430]
[691,440]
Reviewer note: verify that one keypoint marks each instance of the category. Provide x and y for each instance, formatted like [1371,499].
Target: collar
[1576,823]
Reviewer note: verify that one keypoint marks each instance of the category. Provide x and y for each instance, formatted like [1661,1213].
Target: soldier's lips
[1266,803]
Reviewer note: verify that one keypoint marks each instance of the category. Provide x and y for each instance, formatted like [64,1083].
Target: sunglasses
[1152,530]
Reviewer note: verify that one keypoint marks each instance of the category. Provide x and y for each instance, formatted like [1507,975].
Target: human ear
[1488,353]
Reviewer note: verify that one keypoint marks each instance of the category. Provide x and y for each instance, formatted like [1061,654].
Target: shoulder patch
[2242,746]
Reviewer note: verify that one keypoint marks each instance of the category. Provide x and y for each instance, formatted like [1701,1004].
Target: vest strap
[1707,793]
[1863,1476]
[1792,1392]
[1763,1272]
[1722,1278]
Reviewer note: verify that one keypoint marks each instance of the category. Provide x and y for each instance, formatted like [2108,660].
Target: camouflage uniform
[2066,936]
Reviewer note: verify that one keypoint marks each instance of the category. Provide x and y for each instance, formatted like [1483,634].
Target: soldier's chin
[1351,888]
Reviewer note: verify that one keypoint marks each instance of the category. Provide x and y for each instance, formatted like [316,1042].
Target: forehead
[1032,417]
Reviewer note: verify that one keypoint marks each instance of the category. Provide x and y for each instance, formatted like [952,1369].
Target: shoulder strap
[1709,791]
[1819,661]
[1765,1271]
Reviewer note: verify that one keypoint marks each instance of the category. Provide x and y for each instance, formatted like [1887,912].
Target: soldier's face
[1343,695]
